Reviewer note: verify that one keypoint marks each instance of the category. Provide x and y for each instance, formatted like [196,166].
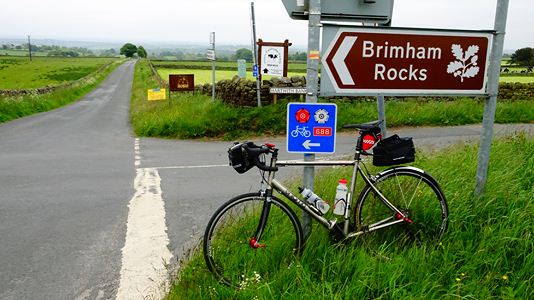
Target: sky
[180,21]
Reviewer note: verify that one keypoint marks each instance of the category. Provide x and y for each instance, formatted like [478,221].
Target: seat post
[358,147]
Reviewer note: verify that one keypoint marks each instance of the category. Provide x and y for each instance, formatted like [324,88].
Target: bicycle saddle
[364,126]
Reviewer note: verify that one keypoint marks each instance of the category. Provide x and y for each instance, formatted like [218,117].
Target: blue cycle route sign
[255,70]
[311,127]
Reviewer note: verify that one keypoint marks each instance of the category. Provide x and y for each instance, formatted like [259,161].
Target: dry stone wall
[242,92]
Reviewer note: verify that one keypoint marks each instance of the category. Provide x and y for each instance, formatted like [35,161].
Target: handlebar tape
[255,152]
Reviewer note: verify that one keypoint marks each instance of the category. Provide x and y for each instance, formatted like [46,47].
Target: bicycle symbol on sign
[302,131]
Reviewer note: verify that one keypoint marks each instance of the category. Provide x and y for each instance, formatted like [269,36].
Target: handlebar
[255,152]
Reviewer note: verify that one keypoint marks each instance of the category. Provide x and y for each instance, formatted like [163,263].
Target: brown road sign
[181,82]
[404,61]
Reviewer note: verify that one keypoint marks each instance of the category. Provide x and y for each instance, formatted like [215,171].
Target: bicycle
[253,234]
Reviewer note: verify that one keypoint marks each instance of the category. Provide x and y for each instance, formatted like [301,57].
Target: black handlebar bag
[239,158]
[394,150]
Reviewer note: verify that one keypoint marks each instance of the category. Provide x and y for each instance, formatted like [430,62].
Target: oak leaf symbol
[465,65]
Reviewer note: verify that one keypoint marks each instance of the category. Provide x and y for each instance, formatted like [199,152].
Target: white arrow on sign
[308,144]
[339,60]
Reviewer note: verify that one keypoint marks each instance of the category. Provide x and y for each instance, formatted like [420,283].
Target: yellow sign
[157,94]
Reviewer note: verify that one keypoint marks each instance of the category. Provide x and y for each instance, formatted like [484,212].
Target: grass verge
[188,116]
[488,251]
[19,106]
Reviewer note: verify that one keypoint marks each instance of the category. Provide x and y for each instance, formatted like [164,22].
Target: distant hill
[150,46]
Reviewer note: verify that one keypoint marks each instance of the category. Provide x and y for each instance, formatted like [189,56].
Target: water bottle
[312,198]
[341,197]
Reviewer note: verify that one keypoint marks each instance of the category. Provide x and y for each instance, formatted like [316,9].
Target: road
[87,211]
[65,181]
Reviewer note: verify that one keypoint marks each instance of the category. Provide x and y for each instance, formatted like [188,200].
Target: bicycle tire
[227,247]
[414,192]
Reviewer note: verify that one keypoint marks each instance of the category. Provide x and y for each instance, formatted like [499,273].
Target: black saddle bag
[239,158]
[394,150]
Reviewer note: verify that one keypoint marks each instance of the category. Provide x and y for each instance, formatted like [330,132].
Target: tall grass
[488,251]
[19,106]
[188,115]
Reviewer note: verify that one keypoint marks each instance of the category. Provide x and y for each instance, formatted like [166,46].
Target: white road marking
[137,152]
[145,255]
[192,167]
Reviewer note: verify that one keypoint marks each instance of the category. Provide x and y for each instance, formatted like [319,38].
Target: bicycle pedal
[336,234]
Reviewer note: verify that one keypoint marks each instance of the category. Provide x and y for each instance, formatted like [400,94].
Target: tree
[523,57]
[141,52]
[244,53]
[300,56]
[128,50]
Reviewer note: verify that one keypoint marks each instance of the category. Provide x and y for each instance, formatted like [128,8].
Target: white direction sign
[210,54]
[272,60]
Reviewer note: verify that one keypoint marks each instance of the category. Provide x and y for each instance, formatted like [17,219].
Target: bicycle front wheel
[248,238]
[414,193]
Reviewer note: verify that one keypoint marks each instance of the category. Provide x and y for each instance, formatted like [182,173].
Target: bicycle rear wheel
[416,194]
[232,250]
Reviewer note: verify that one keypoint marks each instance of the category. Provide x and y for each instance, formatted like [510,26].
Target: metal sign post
[381,107]
[30,47]
[212,42]
[314,33]
[491,102]
[255,53]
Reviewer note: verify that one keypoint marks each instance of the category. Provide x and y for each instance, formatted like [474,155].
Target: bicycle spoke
[414,192]
[235,255]
[423,210]
[400,188]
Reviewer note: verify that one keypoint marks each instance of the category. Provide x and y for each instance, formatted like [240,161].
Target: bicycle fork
[254,241]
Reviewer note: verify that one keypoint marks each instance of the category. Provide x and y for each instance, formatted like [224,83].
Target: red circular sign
[302,115]
[368,142]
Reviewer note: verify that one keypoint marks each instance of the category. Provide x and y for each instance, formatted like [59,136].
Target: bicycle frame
[272,183]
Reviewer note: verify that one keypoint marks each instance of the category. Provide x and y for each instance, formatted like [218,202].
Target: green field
[521,79]
[13,107]
[227,69]
[205,76]
[21,73]
[22,53]
[218,64]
